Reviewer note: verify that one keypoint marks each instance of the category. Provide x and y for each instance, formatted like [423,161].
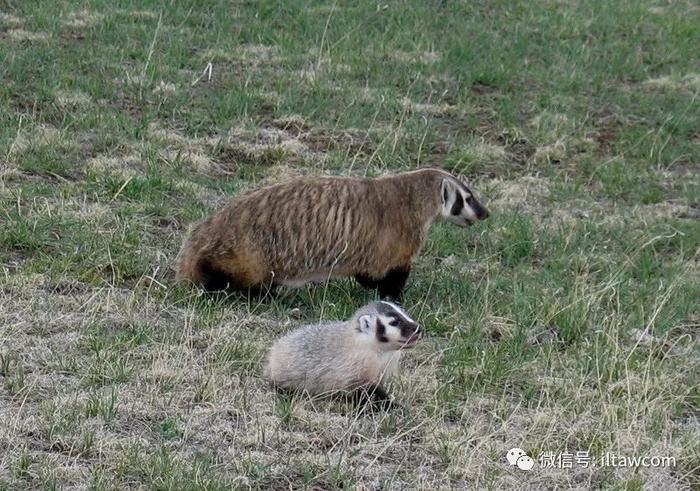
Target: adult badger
[312,229]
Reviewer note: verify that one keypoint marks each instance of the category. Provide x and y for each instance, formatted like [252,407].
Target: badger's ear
[447,191]
[365,324]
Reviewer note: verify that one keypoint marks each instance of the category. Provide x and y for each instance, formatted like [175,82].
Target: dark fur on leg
[366,282]
[215,280]
[285,391]
[373,397]
[212,278]
[392,285]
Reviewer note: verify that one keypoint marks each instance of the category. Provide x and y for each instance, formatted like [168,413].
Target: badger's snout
[413,336]
[480,211]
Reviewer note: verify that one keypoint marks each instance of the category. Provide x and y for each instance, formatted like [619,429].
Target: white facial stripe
[464,190]
[399,311]
[447,175]
[452,192]
[433,169]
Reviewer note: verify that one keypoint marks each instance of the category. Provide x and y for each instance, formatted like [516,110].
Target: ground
[567,322]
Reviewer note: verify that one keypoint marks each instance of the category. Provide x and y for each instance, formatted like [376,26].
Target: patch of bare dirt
[65,288]
[608,121]
[72,99]
[350,141]
[526,192]
[10,19]
[686,83]
[666,209]
[128,164]
[441,109]
[244,150]
[222,68]
[38,135]
[82,19]
[483,88]
[410,57]
[294,125]
[684,168]
[518,149]
[139,15]
[22,35]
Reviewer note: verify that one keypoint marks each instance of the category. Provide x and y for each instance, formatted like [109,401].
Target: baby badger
[352,356]
[312,229]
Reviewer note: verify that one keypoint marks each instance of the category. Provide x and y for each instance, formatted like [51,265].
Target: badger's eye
[394,323]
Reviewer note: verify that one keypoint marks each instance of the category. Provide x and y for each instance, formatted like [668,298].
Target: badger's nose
[483,214]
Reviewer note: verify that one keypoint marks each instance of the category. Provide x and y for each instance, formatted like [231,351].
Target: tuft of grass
[14,374]
[103,406]
[169,429]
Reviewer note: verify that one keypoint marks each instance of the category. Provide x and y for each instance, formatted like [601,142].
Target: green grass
[567,321]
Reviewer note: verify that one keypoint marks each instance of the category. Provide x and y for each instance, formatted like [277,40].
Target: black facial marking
[408,329]
[457,205]
[405,326]
[381,332]
[444,195]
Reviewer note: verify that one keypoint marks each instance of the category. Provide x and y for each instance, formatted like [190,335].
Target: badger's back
[324,358]
[301,230]
[317,227]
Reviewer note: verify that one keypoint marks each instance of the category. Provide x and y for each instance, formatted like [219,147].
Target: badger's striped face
[459,205]
[391,328]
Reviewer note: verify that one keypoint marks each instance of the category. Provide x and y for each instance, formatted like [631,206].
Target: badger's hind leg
[213,279]
[234,275]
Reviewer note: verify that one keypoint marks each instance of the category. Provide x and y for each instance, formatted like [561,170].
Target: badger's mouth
[411,341]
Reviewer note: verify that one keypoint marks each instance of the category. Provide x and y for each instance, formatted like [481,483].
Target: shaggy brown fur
[312,229]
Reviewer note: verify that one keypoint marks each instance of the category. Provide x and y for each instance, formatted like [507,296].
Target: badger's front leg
[392,285]
[366,282]
[380,397]
[373,395]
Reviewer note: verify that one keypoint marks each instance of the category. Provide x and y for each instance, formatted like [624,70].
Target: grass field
[566,322]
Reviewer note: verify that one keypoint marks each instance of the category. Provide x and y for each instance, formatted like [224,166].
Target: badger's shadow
[367,399]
